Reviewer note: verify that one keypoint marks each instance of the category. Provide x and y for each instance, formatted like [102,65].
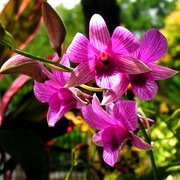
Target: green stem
[155,172]
[44,60]
[70,172]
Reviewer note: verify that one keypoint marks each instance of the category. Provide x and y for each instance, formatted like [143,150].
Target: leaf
[16,85]
[2,31]
[22,19]
[28,151]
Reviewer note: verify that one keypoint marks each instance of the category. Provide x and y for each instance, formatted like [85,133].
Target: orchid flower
[115,125]
[152,48]
[104,58]
[60,99]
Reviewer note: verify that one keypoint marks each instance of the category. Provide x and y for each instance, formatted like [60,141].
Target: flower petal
[113,94]
[43,91]
[130,65]
[59,104]
[113,139]
[140,143]
[61,77]
[82,98]
[83,73]
[97,139]
[80,49]
[153,46]
[98,33]
[108,81]
[143,86]
[126,114]
[101,112]
[123,41]
[159,72]
[93,119]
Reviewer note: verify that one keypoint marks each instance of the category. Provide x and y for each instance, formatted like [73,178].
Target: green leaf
[28,151]
[2,31]
[22,20]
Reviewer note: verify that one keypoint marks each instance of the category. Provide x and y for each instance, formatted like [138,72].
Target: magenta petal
[108,81]
[43,91]
[93,119]
[61,77]
[97,139]
[117,91]
[140,143]
[126,113]
[111,146]
[130,65]
[143,86]
[101,112]
[153,46]
[83,73]
[123,41]
[82,98]
[80,49]
[59,104]
[159,72]
[98,33]
[113,139]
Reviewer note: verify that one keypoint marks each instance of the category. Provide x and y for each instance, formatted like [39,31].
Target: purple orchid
[60,99]
[116,126]
[104,58]
[152,48]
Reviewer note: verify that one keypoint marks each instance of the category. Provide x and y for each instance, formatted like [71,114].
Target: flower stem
[44,60]
[70,172]
[155,172]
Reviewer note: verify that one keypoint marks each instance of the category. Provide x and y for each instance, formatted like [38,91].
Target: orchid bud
[54,26]
[19,64]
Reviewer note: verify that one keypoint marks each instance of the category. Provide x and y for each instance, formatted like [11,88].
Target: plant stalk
[154,168]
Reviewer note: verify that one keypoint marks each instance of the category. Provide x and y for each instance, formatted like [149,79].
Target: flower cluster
[115,63]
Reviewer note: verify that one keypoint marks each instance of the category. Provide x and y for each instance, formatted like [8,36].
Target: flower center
[104,57]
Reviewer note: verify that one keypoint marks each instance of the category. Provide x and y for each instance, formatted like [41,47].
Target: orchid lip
[104,57]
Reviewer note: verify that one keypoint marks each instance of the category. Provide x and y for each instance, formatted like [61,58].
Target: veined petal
[113,139]
[130,65]
[101,112]
[113,94]
[43,91]
[59,104]
[153,46]
[143,86]
[83,73]
[123,41]
[140,143]
[98,33]
[126,114]
[97,139]
[62,77]
[93,119]
[108,81]
[109,108]
[80,49]
[159,72]
[82,98]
